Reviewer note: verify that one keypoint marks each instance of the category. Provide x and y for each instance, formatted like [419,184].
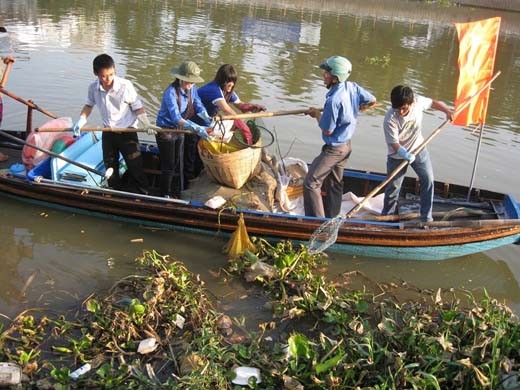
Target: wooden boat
[494,223]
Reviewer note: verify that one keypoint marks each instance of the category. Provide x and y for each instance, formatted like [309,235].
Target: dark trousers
[171,151]
[192,162]
[134,179]
[325,172]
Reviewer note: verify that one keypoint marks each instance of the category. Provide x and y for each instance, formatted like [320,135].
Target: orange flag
[477,49]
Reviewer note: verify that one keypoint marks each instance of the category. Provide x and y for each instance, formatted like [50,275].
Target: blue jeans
[325,172]
[423,168]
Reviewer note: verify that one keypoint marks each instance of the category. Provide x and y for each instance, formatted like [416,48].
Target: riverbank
[427,12]
[502,5]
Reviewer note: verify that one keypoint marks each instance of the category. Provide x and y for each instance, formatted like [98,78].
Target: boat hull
[355,237]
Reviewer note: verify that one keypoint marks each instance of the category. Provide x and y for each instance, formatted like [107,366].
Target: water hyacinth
[322,335]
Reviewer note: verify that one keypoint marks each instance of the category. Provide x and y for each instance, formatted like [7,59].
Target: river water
[53,259]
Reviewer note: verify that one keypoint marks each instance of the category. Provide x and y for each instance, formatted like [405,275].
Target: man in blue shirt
[343,102]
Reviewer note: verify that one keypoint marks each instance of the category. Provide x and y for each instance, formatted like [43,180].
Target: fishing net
[325,235]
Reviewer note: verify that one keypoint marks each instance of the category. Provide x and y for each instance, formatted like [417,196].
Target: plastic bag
[32,156]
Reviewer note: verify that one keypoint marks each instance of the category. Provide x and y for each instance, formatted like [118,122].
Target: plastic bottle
[80,371]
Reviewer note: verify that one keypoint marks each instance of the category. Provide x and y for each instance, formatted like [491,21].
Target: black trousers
[134,179]
[192,163]
[171,155]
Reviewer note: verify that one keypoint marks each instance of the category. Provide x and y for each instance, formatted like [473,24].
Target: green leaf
[362,306]
[299,346]
[61,349]
[93,306]
[328,364]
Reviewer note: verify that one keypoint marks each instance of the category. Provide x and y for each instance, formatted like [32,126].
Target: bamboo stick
[252,115]
[113,129]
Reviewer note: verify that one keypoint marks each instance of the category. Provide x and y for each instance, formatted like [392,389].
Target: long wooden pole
[113,129]
[7,70]
[27,103]
[477,153]
[252,115]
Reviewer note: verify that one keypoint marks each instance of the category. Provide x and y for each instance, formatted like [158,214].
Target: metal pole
[476,161]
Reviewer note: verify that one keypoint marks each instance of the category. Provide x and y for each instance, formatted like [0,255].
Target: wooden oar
[7,70]
[252,115]
[28,103]
[107,174]
[112,129]
[327,234]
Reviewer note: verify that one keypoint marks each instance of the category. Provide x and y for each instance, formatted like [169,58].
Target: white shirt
[117,105]
[405,130]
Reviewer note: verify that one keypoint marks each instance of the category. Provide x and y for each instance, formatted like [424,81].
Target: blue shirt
[341,111]
[170,114]
[210,93]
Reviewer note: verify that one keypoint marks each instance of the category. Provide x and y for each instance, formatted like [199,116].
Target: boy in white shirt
[120,107]
[402,128]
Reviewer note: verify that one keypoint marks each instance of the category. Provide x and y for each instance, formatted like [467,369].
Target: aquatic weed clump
[325,335]
[165,302]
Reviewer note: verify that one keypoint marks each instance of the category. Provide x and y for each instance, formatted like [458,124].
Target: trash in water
[147,346]
[80,371]
[244,373]
[10,374]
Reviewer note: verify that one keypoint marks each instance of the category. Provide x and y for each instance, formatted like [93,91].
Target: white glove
[150,129]
[82,120]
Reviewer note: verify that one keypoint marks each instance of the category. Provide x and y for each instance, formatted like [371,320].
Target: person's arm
[143,118]
[82,120]
[86,110]
[364,107]
[224,107]
[249,107]
[440,106]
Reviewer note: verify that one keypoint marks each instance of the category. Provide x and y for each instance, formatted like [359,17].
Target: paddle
[327,234]
[106,175]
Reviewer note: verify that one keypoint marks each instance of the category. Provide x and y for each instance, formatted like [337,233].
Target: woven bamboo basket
[231,168]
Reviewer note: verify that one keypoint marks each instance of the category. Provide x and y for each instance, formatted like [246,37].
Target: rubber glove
[241,126]
[405,154]
[250,107]
[200,130]
[150,129]
[82,120]
[205,117]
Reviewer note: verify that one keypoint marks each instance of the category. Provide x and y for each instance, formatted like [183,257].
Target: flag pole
[476,161]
